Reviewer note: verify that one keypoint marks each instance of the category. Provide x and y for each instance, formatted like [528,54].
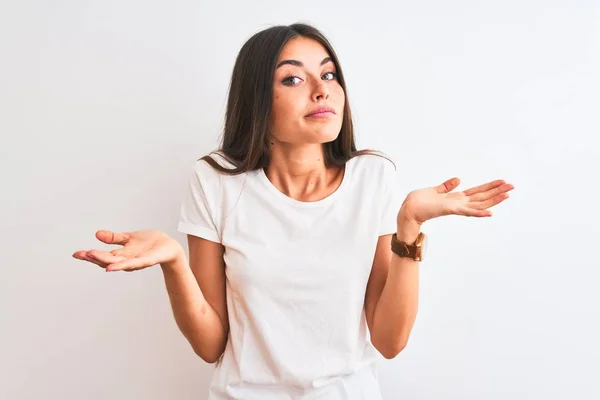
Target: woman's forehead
[305,50]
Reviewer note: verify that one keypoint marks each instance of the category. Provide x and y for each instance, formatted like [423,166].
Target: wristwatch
[415,251]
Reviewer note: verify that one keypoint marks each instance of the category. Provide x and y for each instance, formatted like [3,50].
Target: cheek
[340,95]
[280,111]
[284,107]
[276,108]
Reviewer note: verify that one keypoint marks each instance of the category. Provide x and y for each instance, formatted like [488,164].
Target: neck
[300,171]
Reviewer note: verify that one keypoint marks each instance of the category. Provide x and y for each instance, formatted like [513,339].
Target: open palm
[141,249]
[432,202]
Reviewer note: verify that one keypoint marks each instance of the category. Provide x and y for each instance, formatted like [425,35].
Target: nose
[320,91]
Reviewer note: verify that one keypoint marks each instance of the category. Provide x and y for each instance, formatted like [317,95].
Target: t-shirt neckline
[307,204]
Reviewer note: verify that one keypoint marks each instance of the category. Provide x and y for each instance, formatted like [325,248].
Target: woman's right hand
[141,249]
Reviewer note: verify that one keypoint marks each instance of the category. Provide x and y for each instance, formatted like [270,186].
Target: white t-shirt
[296,279]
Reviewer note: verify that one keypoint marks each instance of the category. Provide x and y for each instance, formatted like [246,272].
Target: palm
[141,249]
[432,202]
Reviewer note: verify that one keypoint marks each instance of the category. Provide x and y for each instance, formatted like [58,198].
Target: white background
[106,105]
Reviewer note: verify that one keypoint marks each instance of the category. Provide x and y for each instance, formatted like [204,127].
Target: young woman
[303,259]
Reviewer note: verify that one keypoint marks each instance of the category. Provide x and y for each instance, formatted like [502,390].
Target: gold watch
[415,251]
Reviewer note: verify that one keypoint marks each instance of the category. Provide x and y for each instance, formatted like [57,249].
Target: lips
[321,110]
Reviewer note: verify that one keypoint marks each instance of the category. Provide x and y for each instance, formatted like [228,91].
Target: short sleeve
[201,207]
[391,199]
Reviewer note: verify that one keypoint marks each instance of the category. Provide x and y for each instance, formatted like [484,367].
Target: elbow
[209,354]
[209,349]
[390,351]
[209,358]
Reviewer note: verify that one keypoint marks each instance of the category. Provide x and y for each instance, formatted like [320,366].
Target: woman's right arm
[197,295]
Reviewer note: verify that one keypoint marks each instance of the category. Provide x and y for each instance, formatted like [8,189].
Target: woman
[303,260]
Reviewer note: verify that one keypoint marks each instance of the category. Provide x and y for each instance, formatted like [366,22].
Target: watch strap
[403,249]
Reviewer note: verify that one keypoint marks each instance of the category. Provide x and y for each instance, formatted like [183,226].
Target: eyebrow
[300,64]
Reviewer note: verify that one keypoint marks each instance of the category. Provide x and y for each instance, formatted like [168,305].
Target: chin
[328,136]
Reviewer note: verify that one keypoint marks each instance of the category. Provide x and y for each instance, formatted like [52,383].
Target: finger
[507,187]
[448,185]
[79,254]
[104,256]
[470,212]
[481,205]
[130,264]
[484,187]
[111,237]
[82,255]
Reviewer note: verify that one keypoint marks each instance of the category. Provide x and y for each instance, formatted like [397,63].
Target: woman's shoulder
[217,166]
[207,173]
[216,157]
[373,163]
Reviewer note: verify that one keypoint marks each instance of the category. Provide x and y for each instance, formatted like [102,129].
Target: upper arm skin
[208,266]
[377,279]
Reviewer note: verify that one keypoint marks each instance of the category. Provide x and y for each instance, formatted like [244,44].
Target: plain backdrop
[106,105]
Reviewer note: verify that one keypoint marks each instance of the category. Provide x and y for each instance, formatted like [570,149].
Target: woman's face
[305,78]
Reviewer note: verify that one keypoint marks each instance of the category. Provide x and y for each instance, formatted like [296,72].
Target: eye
[289,80]
[333,73]
[286,80]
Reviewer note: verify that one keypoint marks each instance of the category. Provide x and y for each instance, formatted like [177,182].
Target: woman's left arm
[392,295]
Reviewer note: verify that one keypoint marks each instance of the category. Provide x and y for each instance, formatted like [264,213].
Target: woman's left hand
[432,202]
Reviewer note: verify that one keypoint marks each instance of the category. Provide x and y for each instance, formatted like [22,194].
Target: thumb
[448,185]
[111,237]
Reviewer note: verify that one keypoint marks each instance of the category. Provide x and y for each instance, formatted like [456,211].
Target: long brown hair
[244,141]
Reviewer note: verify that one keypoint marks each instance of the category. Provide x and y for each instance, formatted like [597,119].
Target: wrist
[407,229]
[176,264]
